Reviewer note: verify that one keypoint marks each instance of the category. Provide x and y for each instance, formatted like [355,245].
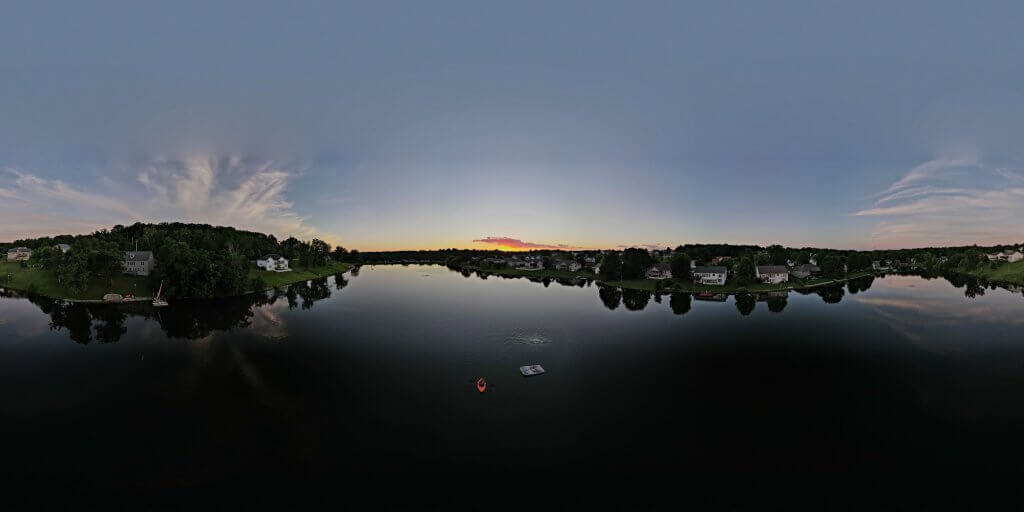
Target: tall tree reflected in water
[830,294]
[340,282]
[860,284]
[635,300]
[680,303]
[777,301]
[189,319]
[610,296]
[745,303]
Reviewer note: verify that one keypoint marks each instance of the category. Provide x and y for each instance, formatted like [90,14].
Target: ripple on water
[529,338]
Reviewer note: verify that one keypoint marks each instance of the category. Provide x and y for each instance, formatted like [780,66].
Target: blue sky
[386,125]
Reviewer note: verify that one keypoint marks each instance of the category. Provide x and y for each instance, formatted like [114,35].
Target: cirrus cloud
[949,201]
[243,192]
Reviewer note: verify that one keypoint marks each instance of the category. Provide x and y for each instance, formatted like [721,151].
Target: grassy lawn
[298,273]
[1012,273]
[44,282]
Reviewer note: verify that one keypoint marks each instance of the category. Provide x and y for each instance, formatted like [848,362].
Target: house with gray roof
[659,271]
[771,274]
[804,271]
[139,263]
[19,254]
[63,248]
[710,275]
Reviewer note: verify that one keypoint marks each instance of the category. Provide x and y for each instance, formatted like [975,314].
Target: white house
[710,275]
[659,271]
[63,248]
[771,274]
[575,267]
[1013,256]
[139,263]
[273,263]
[19,254]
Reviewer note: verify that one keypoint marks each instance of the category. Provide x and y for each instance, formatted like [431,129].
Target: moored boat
[531,370]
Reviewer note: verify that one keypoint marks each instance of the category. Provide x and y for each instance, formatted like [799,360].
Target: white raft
[530,370]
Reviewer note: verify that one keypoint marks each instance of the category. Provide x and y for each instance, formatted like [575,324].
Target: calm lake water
[375,372]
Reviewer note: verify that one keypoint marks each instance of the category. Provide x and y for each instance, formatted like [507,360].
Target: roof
[772,269]
[138,255]
[275,256]
[807,267]
[61,246]
[662,266]
[19,249]
[710,270]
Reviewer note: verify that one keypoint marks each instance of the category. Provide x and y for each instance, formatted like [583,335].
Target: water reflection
[745,303]
[680,303]
[635,300]
[610,296]
[105,323]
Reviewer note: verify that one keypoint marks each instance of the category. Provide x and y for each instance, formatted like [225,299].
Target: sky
[418,125]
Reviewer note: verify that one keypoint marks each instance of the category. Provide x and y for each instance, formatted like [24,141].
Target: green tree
[611,267]
[635,263]
[744,270]
[680,265]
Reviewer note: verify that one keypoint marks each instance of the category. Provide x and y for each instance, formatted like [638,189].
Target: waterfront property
[19,254]
[1009,255]
[710,275]
[273,263]
[659,271]
[139,263]
[771,274]
[804,271]
[63,248]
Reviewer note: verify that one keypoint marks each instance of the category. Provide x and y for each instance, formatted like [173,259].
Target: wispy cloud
[233,191]
[515,243]
[949,200]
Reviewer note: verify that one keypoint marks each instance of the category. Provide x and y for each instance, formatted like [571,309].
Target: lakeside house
[1009,255]
[575,267]
[771,274]
[19,254]
[139,263]
[273,263]
[659,271]
[63,248]
[804,271]
[878,265]
[710,275]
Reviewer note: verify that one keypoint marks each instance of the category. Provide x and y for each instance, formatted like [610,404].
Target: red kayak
[481,384]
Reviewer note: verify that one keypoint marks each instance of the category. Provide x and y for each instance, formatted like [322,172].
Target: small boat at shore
[481,385]
[531,370]
[113,297]
[157,301]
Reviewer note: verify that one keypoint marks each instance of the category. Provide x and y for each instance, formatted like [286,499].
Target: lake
[375,372]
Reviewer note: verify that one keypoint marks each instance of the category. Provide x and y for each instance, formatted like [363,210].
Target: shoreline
[670,285]
[334,268]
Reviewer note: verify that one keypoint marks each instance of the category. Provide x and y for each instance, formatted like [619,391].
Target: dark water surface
[375,373]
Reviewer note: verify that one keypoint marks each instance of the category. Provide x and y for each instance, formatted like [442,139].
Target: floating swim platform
[531,370]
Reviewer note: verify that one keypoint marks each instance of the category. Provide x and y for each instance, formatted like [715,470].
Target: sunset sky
[406,125]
